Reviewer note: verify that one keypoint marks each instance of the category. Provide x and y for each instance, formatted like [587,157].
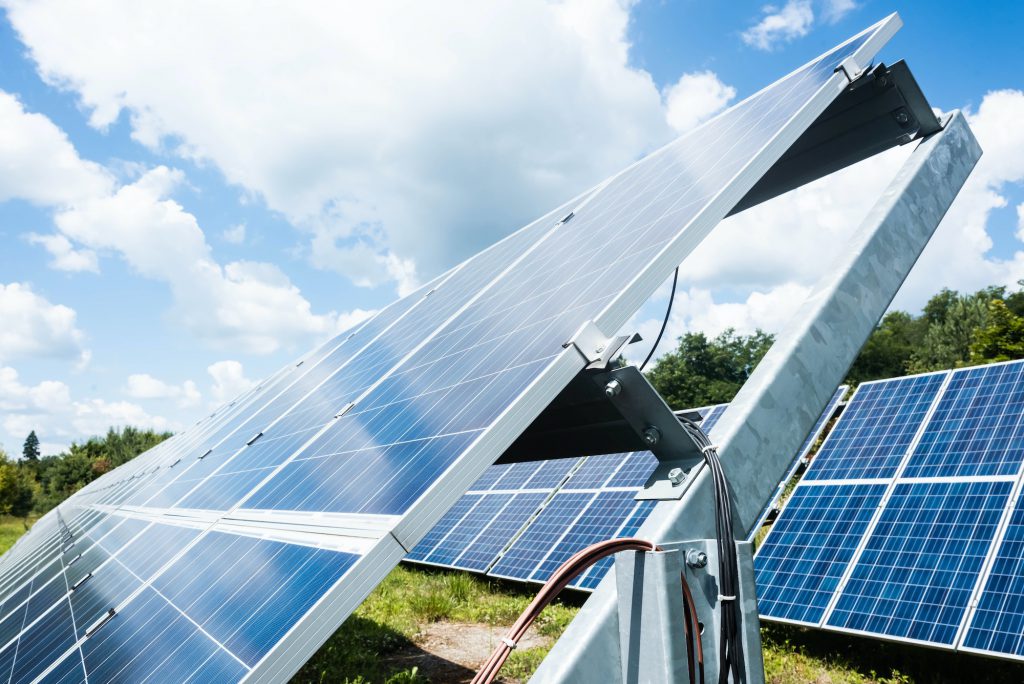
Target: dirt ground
[452,651]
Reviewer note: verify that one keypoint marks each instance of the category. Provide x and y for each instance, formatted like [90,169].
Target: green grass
[376,644]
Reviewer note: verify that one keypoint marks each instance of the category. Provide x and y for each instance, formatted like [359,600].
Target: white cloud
[235,234]
[694,98]
[49,409]
[405,131]
[229,380]
[35,328]
[780,25]
[1020,222]
[38,163]
[64,256]
[834,10]
[145,386]
[248,305]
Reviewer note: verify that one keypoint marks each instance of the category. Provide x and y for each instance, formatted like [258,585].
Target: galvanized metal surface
[792,384]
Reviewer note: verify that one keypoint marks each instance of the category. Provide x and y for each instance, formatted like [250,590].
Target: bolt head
[696,559]
[612,389]
[652,436]
[901,117]
[676,475]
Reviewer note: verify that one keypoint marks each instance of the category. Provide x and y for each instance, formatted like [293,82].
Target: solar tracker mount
[232,551]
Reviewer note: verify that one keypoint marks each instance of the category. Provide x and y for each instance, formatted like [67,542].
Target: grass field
[423,626]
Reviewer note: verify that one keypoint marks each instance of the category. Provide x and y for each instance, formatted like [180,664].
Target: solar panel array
[540,522]
[907,525]
[234,549]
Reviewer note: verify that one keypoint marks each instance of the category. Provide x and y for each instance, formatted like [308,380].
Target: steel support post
[766,422]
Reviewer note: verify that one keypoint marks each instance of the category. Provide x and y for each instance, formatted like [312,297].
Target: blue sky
[189,199]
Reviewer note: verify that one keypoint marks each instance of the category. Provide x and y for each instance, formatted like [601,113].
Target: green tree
[16,489]
[889,348]
[704,371]
[30,452]
[1002,338]
[950,334]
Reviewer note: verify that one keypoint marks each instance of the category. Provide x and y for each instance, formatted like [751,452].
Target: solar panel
[917,572]
[323,477]
[800,458]
[877,427]
[936,558]
[806,553]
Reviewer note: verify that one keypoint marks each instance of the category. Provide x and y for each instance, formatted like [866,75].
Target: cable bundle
[730,647]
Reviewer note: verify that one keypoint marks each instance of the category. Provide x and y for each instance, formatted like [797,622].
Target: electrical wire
[561,578]
[730,647]
[664,323]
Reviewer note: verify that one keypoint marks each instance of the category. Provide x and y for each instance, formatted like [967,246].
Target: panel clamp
[596,347]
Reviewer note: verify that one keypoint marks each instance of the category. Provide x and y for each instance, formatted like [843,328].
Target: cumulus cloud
[33,327]
[64,256]
[833,11]
[49,408]
[145,386]
[402,131]
[780,25]
[229,380]
[695,98]
[38,163]
[248,305]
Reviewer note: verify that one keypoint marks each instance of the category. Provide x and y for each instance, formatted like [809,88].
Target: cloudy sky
[192,196]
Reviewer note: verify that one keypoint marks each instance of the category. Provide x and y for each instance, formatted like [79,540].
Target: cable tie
[709,447]
[508,642]
[722,598]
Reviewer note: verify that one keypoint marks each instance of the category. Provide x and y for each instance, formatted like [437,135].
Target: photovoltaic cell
[543,534]
[876,429]
[976,429]
[915,576]
[800,562]
[997,624]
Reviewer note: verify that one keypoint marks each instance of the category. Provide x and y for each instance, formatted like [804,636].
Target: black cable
[664,323]
[730,646]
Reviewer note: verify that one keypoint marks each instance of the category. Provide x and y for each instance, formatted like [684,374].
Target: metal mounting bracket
[596,347]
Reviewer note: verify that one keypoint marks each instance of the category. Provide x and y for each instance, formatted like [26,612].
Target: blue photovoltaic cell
[601,520]
[919,567]
[710,416]
[469,528]
[519,561]
[551,473]
[976,428]
[590,579]
[799,565]
[439,531]
[499,531]
[997,625]
[516,475]
[595,471]
[635,471]
[876,429]
[367,425]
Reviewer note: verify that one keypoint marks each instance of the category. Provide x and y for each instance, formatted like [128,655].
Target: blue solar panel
[482,515]
[917,572]
[976,429]
[800,562]
[635,471]
[498,532]
[543,534]
[876,429]
[997,623]
[375,436]
[443,527]
[710,416]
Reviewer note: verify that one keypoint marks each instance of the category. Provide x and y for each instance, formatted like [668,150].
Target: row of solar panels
[908,523]
[521,521]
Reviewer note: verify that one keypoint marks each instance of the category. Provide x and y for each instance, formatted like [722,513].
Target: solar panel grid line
[934,586]
[990,562]
[890,488]
[438,282]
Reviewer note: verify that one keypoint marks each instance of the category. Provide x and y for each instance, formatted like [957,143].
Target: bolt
[651,435]
[902,118]
[696,559]
[676,475]
[612,389]
[599,350]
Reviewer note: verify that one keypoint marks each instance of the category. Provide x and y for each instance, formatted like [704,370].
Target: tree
[1002,339]
[30,452]
[702,371]
[948,339]
[889,348]
[16,489]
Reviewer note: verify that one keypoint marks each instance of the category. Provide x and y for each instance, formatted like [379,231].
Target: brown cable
[689,604]
[561,578]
